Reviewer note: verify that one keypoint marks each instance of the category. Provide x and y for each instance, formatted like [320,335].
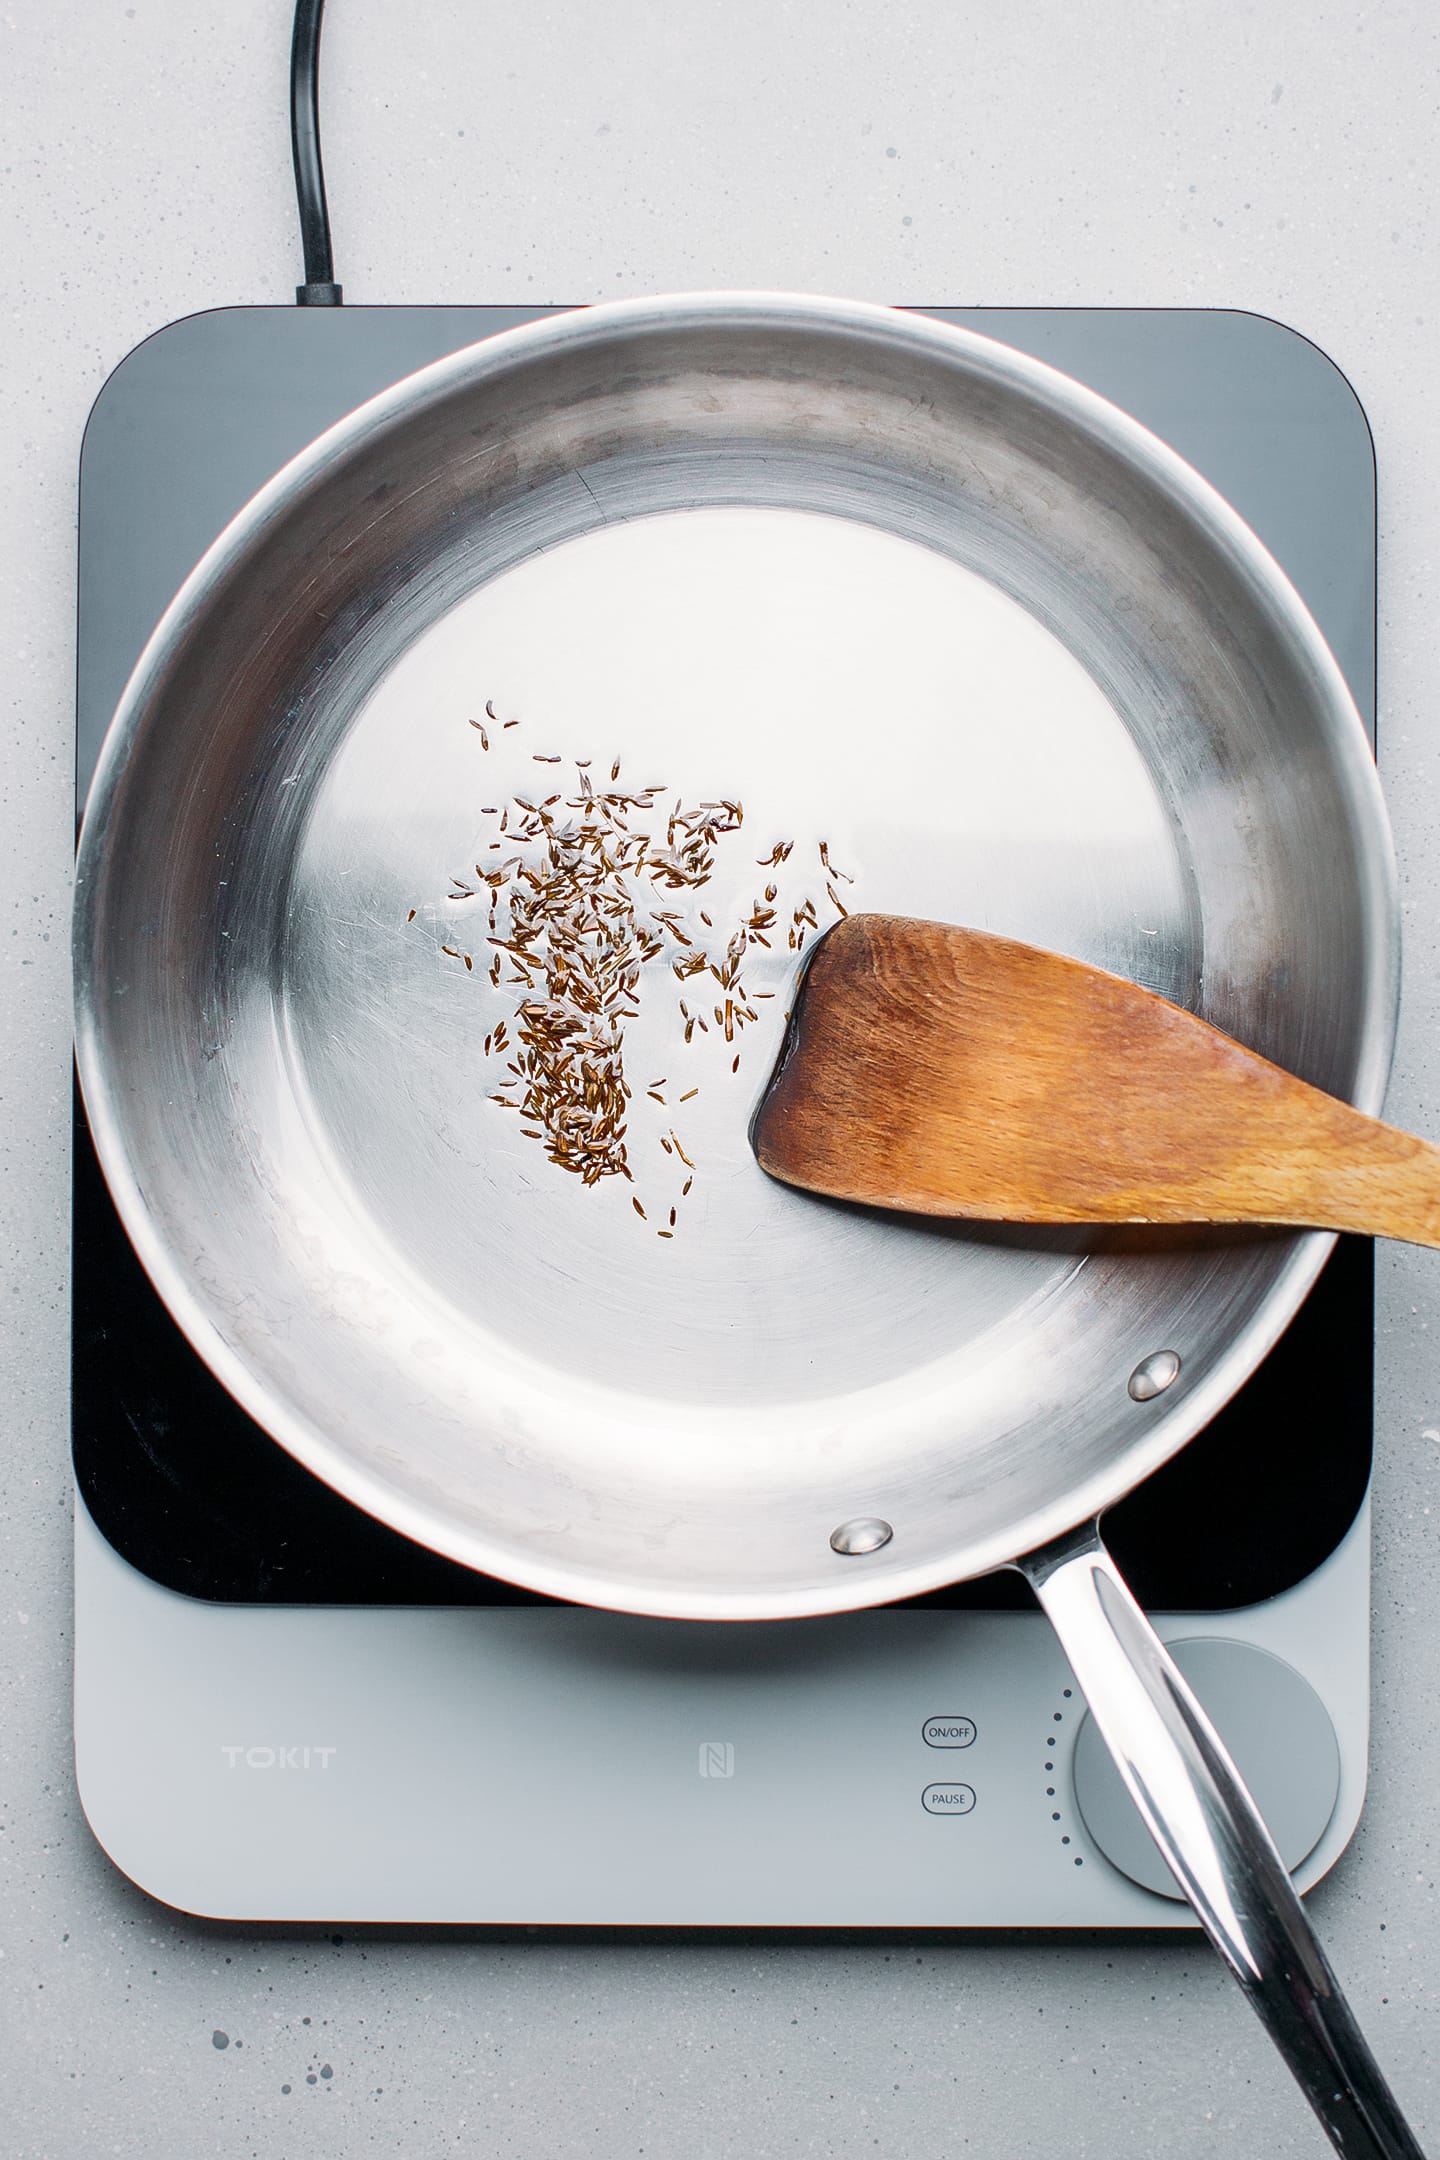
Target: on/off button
[948,1731]
[948,1799]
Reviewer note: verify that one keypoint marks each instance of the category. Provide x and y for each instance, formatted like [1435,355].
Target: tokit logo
[279,1758]
[717,1758]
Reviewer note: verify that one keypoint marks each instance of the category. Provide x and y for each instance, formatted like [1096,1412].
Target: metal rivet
[1154,1375]
[866,1534]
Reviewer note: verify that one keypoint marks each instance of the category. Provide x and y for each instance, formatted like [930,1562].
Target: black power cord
[319,289]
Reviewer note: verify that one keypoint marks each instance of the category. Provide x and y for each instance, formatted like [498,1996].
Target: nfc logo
[717,1758]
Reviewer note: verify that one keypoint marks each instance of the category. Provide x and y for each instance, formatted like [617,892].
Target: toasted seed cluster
[580,891]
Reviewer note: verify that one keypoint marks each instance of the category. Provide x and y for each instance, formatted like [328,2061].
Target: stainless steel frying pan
[888,586]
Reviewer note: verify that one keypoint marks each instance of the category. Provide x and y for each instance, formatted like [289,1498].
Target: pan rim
[1168,1427]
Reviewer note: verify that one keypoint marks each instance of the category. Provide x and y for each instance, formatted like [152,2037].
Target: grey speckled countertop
[1278,157]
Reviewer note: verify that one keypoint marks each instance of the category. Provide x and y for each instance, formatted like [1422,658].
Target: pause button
[948,1799]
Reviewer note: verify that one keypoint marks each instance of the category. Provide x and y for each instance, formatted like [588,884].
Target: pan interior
[842,684]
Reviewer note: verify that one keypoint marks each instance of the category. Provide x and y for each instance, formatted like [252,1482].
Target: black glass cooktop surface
[177,1477]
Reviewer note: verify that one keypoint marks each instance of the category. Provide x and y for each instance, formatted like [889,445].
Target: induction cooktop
[285,1710]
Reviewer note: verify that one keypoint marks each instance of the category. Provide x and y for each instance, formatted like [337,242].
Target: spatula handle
[1369,1177]
[1196,1807]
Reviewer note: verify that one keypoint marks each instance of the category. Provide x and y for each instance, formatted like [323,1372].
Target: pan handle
[1206,1825]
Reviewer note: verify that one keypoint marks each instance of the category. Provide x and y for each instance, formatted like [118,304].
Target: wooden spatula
[949,1072]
